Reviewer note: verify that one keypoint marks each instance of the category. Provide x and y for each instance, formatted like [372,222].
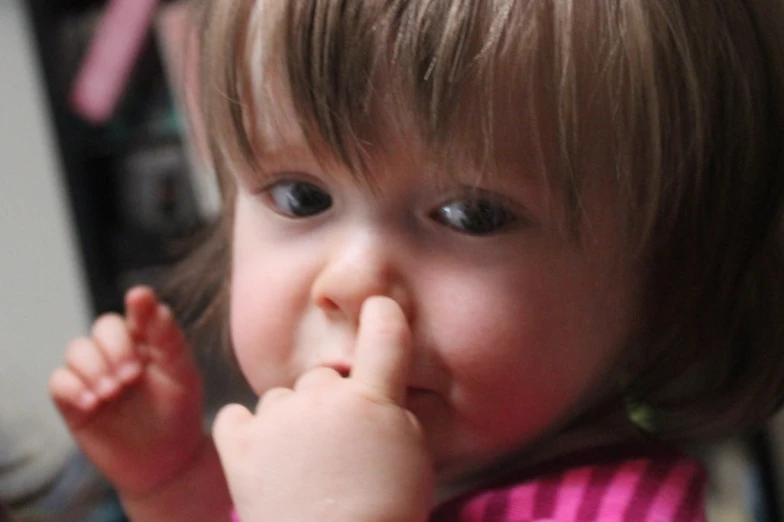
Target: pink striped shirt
[613,484]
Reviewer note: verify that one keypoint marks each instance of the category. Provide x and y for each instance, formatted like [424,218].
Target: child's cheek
[260,340]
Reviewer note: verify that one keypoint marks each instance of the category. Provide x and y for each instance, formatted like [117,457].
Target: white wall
[42,297]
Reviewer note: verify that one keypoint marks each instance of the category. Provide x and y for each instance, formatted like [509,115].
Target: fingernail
[129,371]
[105,387]
[87,400]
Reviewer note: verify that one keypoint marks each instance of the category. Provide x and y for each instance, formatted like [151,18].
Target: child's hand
[132,396]
[334,448]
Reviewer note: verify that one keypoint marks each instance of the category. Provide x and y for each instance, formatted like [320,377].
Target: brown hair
[685,97]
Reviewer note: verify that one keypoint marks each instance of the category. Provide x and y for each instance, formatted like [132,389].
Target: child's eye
[298,199]
[476,217]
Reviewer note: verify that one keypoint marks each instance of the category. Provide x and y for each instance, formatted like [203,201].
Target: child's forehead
[406,159]
[514,154]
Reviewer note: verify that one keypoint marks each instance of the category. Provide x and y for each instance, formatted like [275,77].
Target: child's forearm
[199,494]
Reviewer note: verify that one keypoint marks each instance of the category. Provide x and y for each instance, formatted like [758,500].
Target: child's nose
[358,268]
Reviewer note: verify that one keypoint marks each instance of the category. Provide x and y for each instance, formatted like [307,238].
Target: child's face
[515,327]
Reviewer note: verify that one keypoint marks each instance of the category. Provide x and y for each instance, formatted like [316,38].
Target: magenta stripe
[692,508]
[601,478]
[621,491]
[647,488]
[672,492]
[546,496]
[497,506]
[521,501]
[571,493]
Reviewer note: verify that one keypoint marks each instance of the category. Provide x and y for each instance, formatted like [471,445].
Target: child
[461,241]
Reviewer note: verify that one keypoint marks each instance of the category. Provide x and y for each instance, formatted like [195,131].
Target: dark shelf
[105,193]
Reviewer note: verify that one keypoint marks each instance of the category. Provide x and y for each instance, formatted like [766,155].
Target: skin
[519,324]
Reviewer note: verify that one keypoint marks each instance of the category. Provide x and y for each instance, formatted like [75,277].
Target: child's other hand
[132,396]
[334,448]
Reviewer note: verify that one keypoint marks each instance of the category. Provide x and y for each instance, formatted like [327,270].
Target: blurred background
[104,187]
[104,181]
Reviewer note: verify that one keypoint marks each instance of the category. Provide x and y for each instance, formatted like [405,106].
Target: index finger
[383,350]
[140,305]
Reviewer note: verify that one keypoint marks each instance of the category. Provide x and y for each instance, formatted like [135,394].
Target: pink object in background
[110,58]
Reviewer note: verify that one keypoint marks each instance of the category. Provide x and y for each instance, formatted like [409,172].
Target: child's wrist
[201,477]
